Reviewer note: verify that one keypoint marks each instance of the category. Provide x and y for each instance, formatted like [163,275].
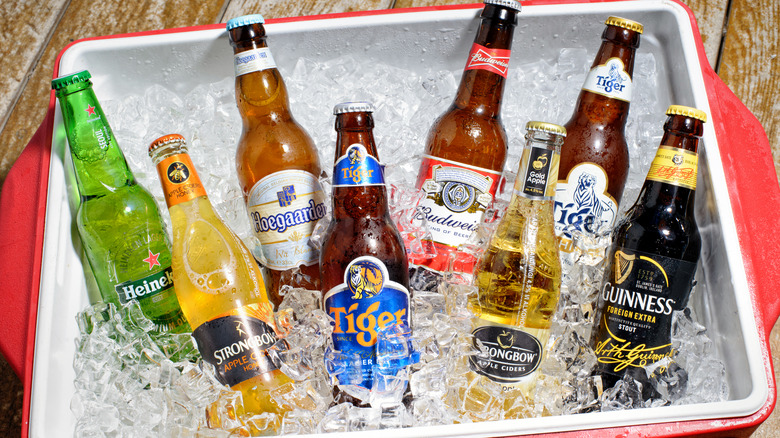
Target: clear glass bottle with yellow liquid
[219,285]
[519,275]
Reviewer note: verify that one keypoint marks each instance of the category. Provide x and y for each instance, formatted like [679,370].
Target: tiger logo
[355,155]
[364,279]
[585,197]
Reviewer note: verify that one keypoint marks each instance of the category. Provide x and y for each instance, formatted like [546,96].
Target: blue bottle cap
[245,20]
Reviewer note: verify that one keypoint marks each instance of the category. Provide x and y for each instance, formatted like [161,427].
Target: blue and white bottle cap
[245,20]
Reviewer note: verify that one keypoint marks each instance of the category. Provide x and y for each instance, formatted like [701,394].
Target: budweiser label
[456,198]
[492,60]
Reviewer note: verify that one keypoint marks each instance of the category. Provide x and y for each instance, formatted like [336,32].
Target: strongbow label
[610,79]
[180,183]
[514,353]
[456,198]
[357,168]
[253,60]
[674,166]
[236,343]
[538,173]
[636,304]
[492,60]
[284,207]
[367,301]
[583,204]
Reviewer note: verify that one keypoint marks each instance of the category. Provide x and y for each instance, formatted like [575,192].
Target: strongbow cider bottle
[652,261]
[118,220]
[519,275]
[365,277]
[466,148]
[219,285]
[594,156]
[277,163]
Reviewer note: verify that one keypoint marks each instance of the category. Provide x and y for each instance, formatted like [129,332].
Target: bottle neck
[179,179]
[482,85]
[359,189]
[606,95]
[671,181]
[260,90]
[537,174]
[99,164]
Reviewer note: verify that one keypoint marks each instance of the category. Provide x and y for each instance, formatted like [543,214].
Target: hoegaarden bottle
[118,220]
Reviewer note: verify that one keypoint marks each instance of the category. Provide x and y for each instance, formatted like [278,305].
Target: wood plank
[418,3]
[26,25]
[286,8]
[750,66]
[711,18]
[84,19]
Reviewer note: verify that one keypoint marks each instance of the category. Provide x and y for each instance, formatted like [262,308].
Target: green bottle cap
[74,78]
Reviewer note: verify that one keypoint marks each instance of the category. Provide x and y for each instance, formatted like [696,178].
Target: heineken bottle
[118,220]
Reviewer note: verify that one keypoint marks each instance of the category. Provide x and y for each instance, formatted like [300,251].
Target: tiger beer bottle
[652,260]
[466,147]
[365,278]
[218,283]
[118,220]
[277,163]
[594,156]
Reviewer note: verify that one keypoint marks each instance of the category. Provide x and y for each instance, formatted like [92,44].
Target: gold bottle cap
[625,24]
[166,139]
[679,110]
[545,127]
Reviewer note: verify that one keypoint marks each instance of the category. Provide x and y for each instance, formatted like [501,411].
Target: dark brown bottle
[363,264]
[277,163]
[652,261]
[466,147]
[594,156]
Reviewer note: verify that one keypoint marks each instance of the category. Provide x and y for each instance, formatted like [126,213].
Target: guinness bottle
[653,258]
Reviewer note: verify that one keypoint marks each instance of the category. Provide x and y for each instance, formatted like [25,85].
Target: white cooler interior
[181,61]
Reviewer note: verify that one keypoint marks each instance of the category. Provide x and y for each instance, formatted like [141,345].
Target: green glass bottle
[118,220]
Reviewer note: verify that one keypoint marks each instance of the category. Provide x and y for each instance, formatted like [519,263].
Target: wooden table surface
[741,39]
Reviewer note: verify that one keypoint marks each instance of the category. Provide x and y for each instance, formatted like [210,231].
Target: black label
[536,173]
[636,304]
[514,354]
[236,346]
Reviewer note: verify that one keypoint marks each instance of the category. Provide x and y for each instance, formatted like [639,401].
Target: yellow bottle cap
[166,139]
[545,127]
[625,24]
[679,110]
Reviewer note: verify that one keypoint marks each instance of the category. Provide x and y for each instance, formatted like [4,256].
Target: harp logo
[624,263]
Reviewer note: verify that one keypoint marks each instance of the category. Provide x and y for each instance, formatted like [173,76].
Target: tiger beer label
[674,166]
[513,353]
[538,174]
[253,60]
[236,343]
[180,182]
[492,60]
[582,203]
[610,80]
[283,208]
[456,198]
[636,303]
[367,301]
[357,168]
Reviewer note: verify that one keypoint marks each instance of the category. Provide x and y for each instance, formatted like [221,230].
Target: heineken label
[146,287]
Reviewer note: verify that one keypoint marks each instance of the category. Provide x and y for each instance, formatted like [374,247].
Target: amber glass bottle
[365,277]
[466,147]
[594,156]
[653,258]
[277,163]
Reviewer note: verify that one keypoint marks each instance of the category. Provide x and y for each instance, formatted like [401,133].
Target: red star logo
[90,110]
[152,260]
